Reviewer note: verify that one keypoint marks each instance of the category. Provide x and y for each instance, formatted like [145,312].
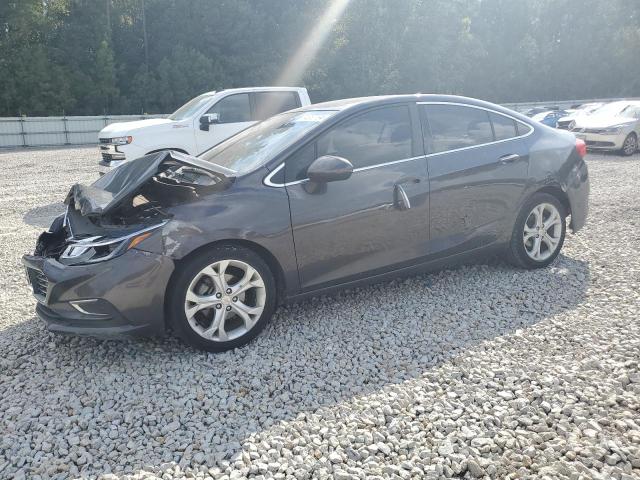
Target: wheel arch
[265,254]
[559,193]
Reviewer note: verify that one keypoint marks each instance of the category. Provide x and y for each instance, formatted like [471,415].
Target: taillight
[581,147]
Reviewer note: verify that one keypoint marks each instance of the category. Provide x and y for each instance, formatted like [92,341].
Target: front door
[234,115]
[375,220]
[478,164]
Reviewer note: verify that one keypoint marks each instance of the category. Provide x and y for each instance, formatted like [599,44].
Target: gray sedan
[321,198]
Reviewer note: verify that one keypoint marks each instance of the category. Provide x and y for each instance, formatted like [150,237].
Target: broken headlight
[101,248]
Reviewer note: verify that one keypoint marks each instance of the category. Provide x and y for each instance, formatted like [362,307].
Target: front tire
[538,233]
[630,145]
[222,298]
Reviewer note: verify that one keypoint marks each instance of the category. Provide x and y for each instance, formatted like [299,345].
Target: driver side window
[233,109]
[374,137]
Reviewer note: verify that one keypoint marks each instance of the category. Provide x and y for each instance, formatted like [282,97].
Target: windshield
[631,111]
[191,107]
[611,109]
[252,147]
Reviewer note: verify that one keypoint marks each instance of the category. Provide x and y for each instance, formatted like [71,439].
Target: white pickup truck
[198,125]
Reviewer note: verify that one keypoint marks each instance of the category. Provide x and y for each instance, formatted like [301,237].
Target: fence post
[66,130]
[22,132]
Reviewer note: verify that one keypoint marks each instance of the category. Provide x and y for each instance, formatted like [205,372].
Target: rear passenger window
[233,109]
[378,136]
[268,104]
[449,127]
[503,127]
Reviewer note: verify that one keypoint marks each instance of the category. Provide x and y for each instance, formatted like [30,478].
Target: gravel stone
[479,371]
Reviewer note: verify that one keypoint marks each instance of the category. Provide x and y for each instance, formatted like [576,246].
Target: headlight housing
[613,130]
[101,248]
[121,140]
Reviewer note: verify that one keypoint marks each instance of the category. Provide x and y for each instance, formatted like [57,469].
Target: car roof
[255,89]
[351,104]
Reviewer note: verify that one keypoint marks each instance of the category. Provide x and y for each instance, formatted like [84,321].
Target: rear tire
[538,233]
[222,298]
[630,145]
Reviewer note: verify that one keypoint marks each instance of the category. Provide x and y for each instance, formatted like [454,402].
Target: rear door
[478,164]
[361,226]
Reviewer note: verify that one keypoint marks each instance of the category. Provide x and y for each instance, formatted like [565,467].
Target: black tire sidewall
[518,254]
[185,274]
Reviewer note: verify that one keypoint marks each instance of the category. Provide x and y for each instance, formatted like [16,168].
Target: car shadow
[314,354]
[43,216]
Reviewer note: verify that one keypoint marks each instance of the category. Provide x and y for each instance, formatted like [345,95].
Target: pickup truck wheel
[222,299]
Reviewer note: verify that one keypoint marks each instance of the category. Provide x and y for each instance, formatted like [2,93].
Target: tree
[91,57]
[105,76]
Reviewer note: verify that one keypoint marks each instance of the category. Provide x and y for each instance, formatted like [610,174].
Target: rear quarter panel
[555,162]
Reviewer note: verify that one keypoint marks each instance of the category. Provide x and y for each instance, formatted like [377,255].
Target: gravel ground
[483,371]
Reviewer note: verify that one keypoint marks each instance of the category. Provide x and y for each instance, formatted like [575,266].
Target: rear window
[268,104]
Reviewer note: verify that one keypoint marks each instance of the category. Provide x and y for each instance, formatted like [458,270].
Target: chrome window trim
[530,132]
[268,182]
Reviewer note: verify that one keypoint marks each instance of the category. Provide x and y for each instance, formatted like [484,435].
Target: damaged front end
[124,207]
[101,270]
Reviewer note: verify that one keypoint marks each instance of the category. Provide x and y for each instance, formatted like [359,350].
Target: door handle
[406,180]
[402,199]
[509,158]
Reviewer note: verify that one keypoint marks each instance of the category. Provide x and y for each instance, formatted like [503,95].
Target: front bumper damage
[103,268]
[121,297]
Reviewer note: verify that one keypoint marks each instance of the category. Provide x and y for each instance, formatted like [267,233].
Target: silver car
[616,126]
[583,110]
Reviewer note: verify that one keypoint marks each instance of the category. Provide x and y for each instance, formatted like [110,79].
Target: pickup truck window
[233,109]
[256,145]
[268,104]
[191,107]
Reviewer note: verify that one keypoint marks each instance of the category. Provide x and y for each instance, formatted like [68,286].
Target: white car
[583,110]
[616,126]
[198,125]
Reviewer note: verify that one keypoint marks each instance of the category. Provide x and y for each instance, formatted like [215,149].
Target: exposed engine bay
[126,203]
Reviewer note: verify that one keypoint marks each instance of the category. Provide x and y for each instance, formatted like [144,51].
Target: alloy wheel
[630,145]
[225,300]
[542,232]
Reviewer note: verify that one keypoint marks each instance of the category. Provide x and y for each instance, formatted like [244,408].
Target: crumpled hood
[110,190]
[121,129]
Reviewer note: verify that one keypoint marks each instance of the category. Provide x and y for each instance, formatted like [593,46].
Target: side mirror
[329,168]
[208,119]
